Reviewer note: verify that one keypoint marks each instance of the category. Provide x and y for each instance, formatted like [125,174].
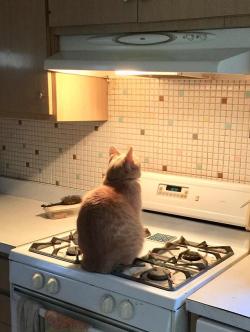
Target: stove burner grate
[57,245]
[149,276]
[168,267]
[189,259]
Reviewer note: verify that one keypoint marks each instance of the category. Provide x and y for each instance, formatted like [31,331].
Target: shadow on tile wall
[197,128]
[55,153]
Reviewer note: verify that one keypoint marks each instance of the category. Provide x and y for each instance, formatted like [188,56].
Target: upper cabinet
[78,98]
[85,12]
[137,13]
[165,10]
[5,51]
[25,89]
[23,49]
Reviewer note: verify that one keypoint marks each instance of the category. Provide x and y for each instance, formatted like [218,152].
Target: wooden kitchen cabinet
[78,98]
[5,51]
[165,10]
[85,12]
[5,319]
[4,275]
[98,16]
[5,328]
[23,47]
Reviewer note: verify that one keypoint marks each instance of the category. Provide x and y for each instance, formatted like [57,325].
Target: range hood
[155,53]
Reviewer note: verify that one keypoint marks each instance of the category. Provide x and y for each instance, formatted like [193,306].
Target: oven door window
[50,315]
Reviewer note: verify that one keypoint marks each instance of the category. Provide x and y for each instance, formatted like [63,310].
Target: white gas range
[179,256]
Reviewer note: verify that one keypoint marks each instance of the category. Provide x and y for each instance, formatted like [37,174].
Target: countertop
[22,219]
[226,298]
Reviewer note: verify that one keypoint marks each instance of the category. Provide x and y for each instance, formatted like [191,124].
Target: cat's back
[104,202]
[102,197]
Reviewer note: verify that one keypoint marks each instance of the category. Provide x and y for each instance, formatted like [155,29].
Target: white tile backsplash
[197,128]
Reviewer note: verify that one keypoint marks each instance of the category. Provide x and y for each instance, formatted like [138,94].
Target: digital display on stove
[173,188]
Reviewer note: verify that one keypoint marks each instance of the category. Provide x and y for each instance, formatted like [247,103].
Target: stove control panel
[126,310]
[172,191]
[107,304]
[52,286]
[37,281]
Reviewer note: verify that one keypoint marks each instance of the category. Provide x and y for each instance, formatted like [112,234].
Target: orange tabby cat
[109,227]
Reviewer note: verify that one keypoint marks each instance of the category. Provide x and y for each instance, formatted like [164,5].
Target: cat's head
[122,166]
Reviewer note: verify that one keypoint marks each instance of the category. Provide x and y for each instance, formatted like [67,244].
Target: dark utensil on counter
[67,200]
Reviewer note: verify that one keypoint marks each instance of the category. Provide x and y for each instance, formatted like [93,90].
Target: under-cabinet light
[113,74]
[143,73]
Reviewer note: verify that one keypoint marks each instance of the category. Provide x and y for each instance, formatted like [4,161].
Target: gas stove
[181,253]
[170,264]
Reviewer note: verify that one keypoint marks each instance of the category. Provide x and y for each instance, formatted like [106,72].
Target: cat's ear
[129,161]
[129,156]
[113,151]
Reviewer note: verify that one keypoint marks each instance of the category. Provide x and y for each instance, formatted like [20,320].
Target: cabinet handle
[125,0]
[41,95]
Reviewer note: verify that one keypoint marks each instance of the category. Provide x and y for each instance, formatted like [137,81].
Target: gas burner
[157,274]
[73,251]
[191,256]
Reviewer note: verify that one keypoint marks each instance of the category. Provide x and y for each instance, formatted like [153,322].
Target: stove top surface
[166,262]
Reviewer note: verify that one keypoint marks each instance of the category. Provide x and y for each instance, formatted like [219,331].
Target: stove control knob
[107,304]
[52,286]
[126,310]
[37,281]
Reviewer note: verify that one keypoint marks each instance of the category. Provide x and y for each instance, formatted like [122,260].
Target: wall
[188,127]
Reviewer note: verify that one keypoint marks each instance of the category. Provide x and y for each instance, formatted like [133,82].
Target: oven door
[36,317]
